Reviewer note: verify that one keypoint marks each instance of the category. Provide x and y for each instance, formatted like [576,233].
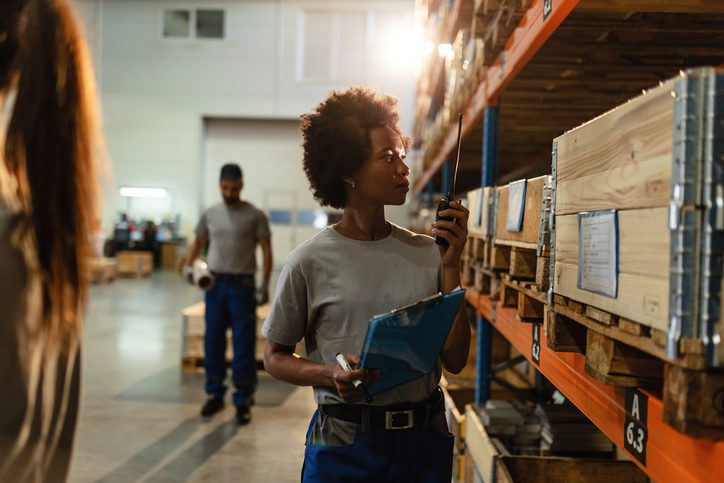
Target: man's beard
[231,201]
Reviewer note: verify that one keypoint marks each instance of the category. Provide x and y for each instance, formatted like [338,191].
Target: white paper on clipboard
[598,252]
[516,205]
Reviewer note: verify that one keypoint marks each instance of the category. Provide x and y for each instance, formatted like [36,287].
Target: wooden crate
[481,203]
[525,254]
[654,160]
[534,207]
[134,263]
[192,337]
[491,463]
[193,326]
[102,270]
[172,255]
[456,398]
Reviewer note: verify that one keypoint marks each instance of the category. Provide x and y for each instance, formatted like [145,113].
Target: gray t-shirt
[331,286]
[233,233]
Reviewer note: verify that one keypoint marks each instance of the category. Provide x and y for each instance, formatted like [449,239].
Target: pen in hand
[342,361]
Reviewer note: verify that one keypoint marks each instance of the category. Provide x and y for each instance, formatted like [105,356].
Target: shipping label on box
[516,205]
[598,252]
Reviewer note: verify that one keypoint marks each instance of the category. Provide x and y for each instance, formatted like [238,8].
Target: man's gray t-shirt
[233,233]
[330,287]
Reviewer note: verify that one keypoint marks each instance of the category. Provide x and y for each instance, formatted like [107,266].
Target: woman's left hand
[455,232]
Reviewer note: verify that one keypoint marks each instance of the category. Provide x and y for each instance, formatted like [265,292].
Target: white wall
[156,92]
[268,152]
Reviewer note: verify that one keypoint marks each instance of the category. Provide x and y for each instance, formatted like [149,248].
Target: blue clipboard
[406,343]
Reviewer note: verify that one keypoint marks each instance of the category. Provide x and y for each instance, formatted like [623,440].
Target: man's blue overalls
[231,303]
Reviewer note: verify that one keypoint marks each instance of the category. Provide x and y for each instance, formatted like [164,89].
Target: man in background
[232,229]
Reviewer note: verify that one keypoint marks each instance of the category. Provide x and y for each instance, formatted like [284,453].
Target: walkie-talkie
[450,195]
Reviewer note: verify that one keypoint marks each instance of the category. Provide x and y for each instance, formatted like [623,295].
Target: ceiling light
[130,192]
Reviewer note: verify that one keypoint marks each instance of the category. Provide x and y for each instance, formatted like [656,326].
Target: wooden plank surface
[531,214]
[478,445]
[646,184]
[642,299]
[621,159]
[644,241]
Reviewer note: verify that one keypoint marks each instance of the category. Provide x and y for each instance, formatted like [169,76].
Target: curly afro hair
[337,138]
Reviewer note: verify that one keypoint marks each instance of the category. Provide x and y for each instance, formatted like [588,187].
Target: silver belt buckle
[389,423]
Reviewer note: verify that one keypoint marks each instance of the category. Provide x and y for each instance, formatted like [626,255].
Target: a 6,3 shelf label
[635,430]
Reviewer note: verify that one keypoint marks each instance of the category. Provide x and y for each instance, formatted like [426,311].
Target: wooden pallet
[694,401]
[530,303]
[468,271]
[477,248]
[646,339]
[497,257]
[136,264]
[487,282]
[693,398]
[102,270]
[522,264]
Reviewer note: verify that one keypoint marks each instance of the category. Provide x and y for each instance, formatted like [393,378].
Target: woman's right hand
[343,380]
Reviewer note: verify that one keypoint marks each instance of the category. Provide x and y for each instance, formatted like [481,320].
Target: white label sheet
[598,252]
[516,205]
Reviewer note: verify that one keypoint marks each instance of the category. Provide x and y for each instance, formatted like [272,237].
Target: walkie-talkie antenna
[451,192]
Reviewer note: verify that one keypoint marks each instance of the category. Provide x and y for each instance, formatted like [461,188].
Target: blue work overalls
[421,455]
[231,303]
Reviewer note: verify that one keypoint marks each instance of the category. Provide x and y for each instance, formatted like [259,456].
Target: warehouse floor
[139,416]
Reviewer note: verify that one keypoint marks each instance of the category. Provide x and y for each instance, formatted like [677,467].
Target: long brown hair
[51,141]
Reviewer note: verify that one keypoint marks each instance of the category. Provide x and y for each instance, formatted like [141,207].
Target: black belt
[398,416]
[245,279]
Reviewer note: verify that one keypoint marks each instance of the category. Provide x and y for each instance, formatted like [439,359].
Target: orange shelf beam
[671,456]
[530,35]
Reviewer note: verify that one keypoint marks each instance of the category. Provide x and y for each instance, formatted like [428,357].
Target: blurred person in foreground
[47,209]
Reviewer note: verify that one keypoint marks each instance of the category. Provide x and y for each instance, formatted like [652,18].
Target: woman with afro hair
[332,284]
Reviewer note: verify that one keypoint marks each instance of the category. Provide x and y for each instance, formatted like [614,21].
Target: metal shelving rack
[532,33]
[670,456]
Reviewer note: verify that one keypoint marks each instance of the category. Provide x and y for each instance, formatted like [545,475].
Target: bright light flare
[131,192]
[403,47]
[445,50]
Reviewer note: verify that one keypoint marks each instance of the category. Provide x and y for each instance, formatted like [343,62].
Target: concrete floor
[140,413]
